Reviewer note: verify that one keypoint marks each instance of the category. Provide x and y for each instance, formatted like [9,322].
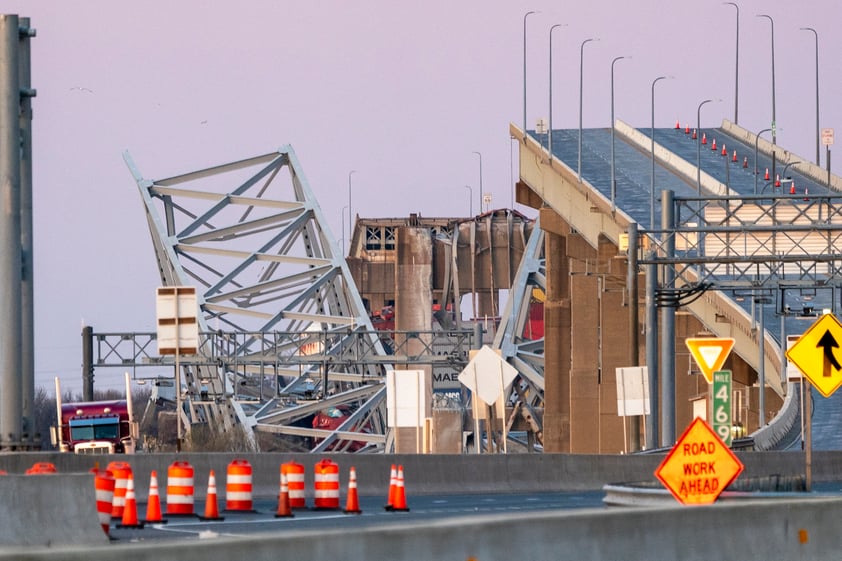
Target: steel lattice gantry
[251,237]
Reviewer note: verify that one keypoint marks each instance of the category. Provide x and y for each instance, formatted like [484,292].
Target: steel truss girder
[251,237]
[526,355]
[751,241]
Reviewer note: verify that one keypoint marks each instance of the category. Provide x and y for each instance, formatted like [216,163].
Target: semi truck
[95,427]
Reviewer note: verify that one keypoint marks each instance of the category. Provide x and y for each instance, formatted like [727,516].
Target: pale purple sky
[403,95]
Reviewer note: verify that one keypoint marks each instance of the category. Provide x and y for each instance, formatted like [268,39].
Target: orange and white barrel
[326,485]
[295,484]
[121,471]
[104,486]
[180,488]
[238,489]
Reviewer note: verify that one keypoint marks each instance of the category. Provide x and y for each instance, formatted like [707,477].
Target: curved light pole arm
[526,15]
[699,146]
[774,122]
[581,76]
[652,139]
[613,177]
[550,132]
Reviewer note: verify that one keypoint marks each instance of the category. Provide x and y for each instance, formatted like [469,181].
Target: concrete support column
[413,307]
[556,344]
[10,238]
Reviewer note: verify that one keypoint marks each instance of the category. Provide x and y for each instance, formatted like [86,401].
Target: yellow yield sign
[816,354]
[710,353]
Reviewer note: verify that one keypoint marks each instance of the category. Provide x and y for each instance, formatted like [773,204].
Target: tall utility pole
[10,236]
[27,265]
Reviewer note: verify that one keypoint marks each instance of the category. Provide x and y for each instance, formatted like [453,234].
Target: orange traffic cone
[400,494]
[153,504]
[777,180]
[724,151]
[792,188]
[686,129]
[704,138]
[211,503]
[713,146]
[695,135]
[745,162]
[677,125]
[130,510]
[734,158]
[393,486]
[352,504]
[766,177]
[284,508]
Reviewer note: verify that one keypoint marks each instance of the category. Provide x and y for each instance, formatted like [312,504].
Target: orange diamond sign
[699,467]
[710,353]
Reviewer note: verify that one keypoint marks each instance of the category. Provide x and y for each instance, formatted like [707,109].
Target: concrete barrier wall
[49,509]
[671,160]
[754,530]
[428,474]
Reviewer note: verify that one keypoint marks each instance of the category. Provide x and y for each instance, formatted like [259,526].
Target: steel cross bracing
[748,243]
[526,355]
[251,237]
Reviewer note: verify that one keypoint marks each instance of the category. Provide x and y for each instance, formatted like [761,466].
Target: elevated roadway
[589,209]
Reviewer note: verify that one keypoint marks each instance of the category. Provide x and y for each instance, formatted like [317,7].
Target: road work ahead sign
[817,354]
[699,467]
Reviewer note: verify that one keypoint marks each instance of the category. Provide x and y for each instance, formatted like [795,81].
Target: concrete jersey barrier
[49,510]
[750,531]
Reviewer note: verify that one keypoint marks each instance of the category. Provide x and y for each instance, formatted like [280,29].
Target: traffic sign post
[816,354]
[699,467]
[722,405]
[710,353]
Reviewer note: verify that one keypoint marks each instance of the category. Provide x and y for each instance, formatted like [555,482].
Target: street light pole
[736,63]
[774,122]
[470,200]
[652,183]
[480,181]
[350,224]
[550,133]
[756,169]
[581,76]
[342,215]
[526,15]
[613,178]
[818,131]
[699,146]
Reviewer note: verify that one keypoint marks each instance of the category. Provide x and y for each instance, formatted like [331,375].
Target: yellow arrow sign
[816,354]
[710,353]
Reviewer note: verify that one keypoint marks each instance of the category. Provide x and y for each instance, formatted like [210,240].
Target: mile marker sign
[699,467]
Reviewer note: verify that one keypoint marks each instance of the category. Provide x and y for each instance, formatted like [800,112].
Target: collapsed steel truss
[251,237]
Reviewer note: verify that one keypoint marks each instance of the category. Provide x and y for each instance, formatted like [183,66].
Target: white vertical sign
[632,391]
[178,327]
[408,402]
